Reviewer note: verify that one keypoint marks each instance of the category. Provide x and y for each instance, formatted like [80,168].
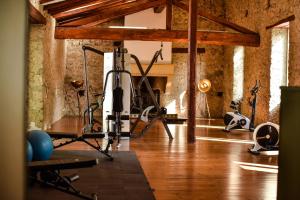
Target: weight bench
[81,137]
[48,173]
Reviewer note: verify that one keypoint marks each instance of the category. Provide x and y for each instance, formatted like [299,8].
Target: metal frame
[47,173]
[144,79]
[83,138]
[116,72]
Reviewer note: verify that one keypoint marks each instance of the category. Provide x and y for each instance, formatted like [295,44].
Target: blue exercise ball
[29,151]
[41,144]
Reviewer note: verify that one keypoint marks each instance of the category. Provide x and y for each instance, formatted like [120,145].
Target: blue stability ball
[41,144]
[29,151]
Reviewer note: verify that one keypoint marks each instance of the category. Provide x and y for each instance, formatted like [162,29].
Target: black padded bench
[48,173]
[80,137]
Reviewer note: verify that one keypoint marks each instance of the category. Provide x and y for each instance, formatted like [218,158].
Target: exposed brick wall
[256,15]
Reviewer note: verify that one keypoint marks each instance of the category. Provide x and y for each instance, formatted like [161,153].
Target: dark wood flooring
[216,166]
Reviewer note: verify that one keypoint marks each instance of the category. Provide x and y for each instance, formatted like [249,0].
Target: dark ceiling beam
[68,5]
[282,21]
[159,9]
[46,1]
[217,20]
[109,14]
[92,8]
[191,72]
[169,11]
[35,17]
[203,37]
[185,50]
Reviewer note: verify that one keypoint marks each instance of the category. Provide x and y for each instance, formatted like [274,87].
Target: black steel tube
[84,47]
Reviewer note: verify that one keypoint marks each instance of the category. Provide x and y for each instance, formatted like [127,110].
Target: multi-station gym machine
[119,95]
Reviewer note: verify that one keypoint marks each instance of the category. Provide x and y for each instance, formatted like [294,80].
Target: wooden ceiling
[77,19]
[93,12]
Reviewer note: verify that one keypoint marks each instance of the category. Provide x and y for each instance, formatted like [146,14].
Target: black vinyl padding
[118,99]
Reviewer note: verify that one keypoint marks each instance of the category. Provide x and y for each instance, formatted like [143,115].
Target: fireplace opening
[158,85]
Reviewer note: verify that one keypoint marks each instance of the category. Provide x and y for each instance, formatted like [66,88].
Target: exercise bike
[265,137]
[235,120]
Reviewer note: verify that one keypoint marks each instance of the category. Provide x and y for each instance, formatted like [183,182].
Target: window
[279,64]
[238,73]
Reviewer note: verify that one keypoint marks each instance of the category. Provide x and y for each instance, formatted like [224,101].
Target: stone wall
[54,71]
[209,65]
[35,75]
[53,64]
[46,66]
[256,15]
[74,70]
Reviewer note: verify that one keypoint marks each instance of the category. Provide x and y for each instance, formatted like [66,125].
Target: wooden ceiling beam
[109,14]
[203,37]
[191,72]
[35,17]
[185,50]
[217,20]
[169,11]
[46,1]
[68,5]
[159,9]
[282,21]
[92,8]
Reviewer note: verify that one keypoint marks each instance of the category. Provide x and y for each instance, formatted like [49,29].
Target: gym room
[150,99]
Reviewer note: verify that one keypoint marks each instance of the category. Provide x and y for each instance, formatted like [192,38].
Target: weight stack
[289,144]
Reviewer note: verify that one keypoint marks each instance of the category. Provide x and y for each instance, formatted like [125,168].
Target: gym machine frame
[234,120]
[118,93]
[88,131]
[48,173]
[159,111]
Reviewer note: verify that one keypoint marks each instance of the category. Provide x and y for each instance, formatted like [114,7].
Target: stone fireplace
[159,78]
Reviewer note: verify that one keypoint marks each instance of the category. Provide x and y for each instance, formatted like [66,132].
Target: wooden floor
[216,166]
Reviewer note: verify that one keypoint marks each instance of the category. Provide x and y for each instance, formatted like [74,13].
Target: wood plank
[169,14]
[159,9]
[92,8]
[192,63]
[157,70]
[68,5]
[217,20]
[203,37]
[207,169]
[35,17]
[119,11]
[46,1]
[288,19]
[185,50]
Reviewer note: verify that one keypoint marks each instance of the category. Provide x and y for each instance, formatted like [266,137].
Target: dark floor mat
[120,179]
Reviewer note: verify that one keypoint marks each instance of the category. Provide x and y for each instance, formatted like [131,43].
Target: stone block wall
[46,64]
[74,70]
[54,72]
[35,104]
[209,65]
[256,15]
[62,62]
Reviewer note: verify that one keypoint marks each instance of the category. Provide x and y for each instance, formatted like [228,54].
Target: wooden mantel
[203,37]
[157,70]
